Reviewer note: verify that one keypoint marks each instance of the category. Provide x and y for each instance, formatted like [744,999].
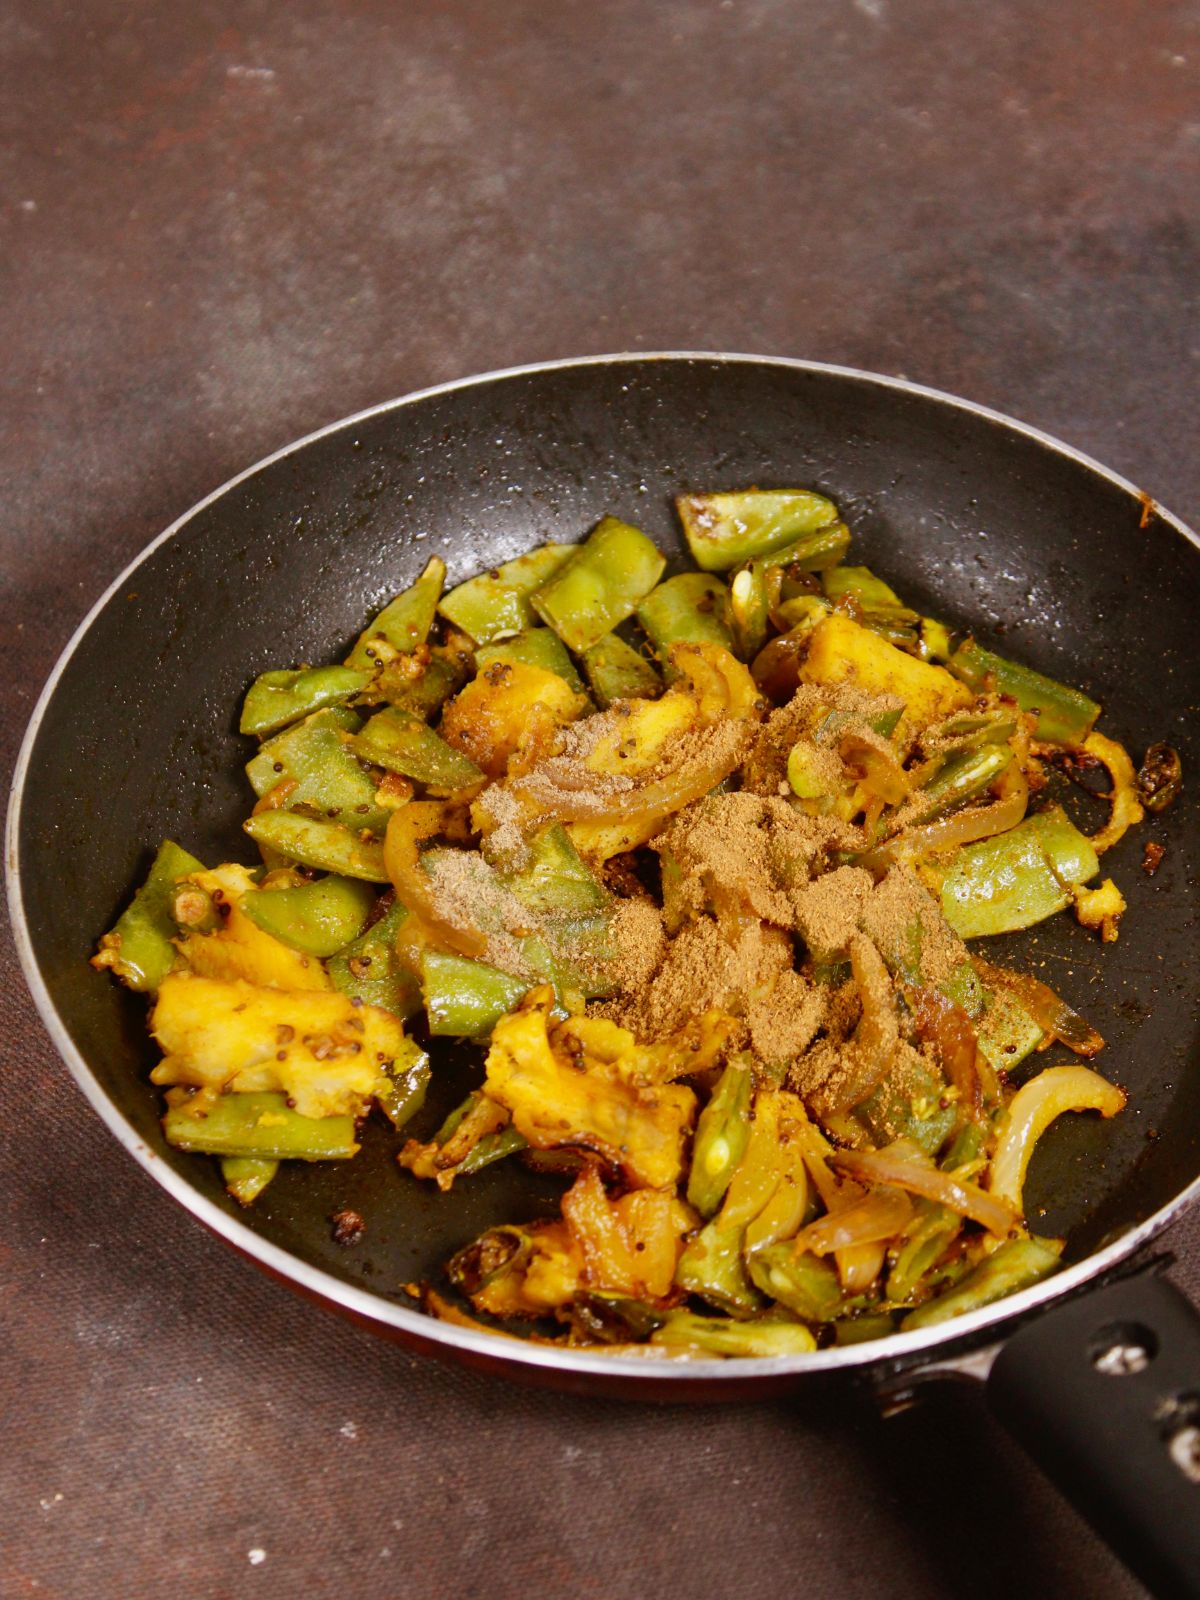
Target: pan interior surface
[985,525]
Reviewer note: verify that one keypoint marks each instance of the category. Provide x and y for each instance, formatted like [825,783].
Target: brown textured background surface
[222,225]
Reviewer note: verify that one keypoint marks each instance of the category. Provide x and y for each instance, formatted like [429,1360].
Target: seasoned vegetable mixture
[694,860]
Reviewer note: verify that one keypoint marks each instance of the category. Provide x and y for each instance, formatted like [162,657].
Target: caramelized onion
[991,1211]
[1032,1110]
[407,828]
[960,827]
[867,1057]
[1051,1013]
[878,1215]
[1126,807]
[952,1034]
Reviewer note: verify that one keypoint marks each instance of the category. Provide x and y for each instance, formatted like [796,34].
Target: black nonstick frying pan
[983,521]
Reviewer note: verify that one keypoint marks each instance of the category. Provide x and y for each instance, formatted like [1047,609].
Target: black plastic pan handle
[1104,1393]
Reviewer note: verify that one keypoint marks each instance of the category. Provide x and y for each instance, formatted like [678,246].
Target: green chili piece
[466,999]
[1016,878]
[600,584]
[970,729]
[139,949]
[717,1336]
[1065,715]
[616,671]
[711,1266]
[318,918]
[402,742]
[245,1177]
[805,1284]
[409,1074]
[497,603]
[723,530]
[692,607]
[261,1125]
[404,623]
[960,778]
[370,970]
[492,1147]
[1011,1266]
[300,753]
[535,647]
[722,1134]
[326,846]
[275,699]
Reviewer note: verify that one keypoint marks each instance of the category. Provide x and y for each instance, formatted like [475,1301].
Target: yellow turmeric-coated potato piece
[842,651]
[321,1050]
[241,949]
[509,706]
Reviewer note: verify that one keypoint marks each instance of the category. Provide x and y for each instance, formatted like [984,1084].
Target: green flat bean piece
[276,699]
[497,603]
[723,530]
[804,1284]
[326,846]
[138,949]
[716,1336]
[600,584]
[260,1125]
[535,647]
[926,1238]
[749,608]
[245,1177]
[465,999]
[556,880]
[410,1074]
[616,671]
[370,969]
[961,777]
[722,1134]
[1016,878]
[863,1326]
[1065,715]
[424,686]
[318,918]
[912,1110]
[860,582]
[400,741]
[1011,1266]
[693,607]
[303,751]
[711,1267]
[405,622]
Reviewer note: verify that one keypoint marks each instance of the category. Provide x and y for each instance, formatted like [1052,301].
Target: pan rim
[897,1349]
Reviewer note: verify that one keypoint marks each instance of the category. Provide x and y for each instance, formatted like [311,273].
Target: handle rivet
[1184,1450]
[1121,1360]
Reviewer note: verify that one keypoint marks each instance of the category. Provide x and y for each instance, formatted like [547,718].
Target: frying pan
[988,523]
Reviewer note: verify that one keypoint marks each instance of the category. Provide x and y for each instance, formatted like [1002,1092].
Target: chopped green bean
[497,603]
[466,999]
[403,624]
[261,1125]
[722,1134]
[616,671]
[139,949]
[410,1074]
[556,880]
[600,584]
[1065,715]
[245,1177]
[711,1267]
[370,970]
[1016,878]
[327,846]
[402,742]
[302,753]
[960,778]
[318,918]
[682,1330]
[276,699]
[724,530]
[805,1284]
[535,647]
[692,607]
[1011,1266]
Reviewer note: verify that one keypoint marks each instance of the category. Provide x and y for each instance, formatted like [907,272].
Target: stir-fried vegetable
[695,894]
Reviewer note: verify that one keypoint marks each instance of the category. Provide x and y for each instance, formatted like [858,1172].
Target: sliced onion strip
[1032,1110]
[991,1211]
